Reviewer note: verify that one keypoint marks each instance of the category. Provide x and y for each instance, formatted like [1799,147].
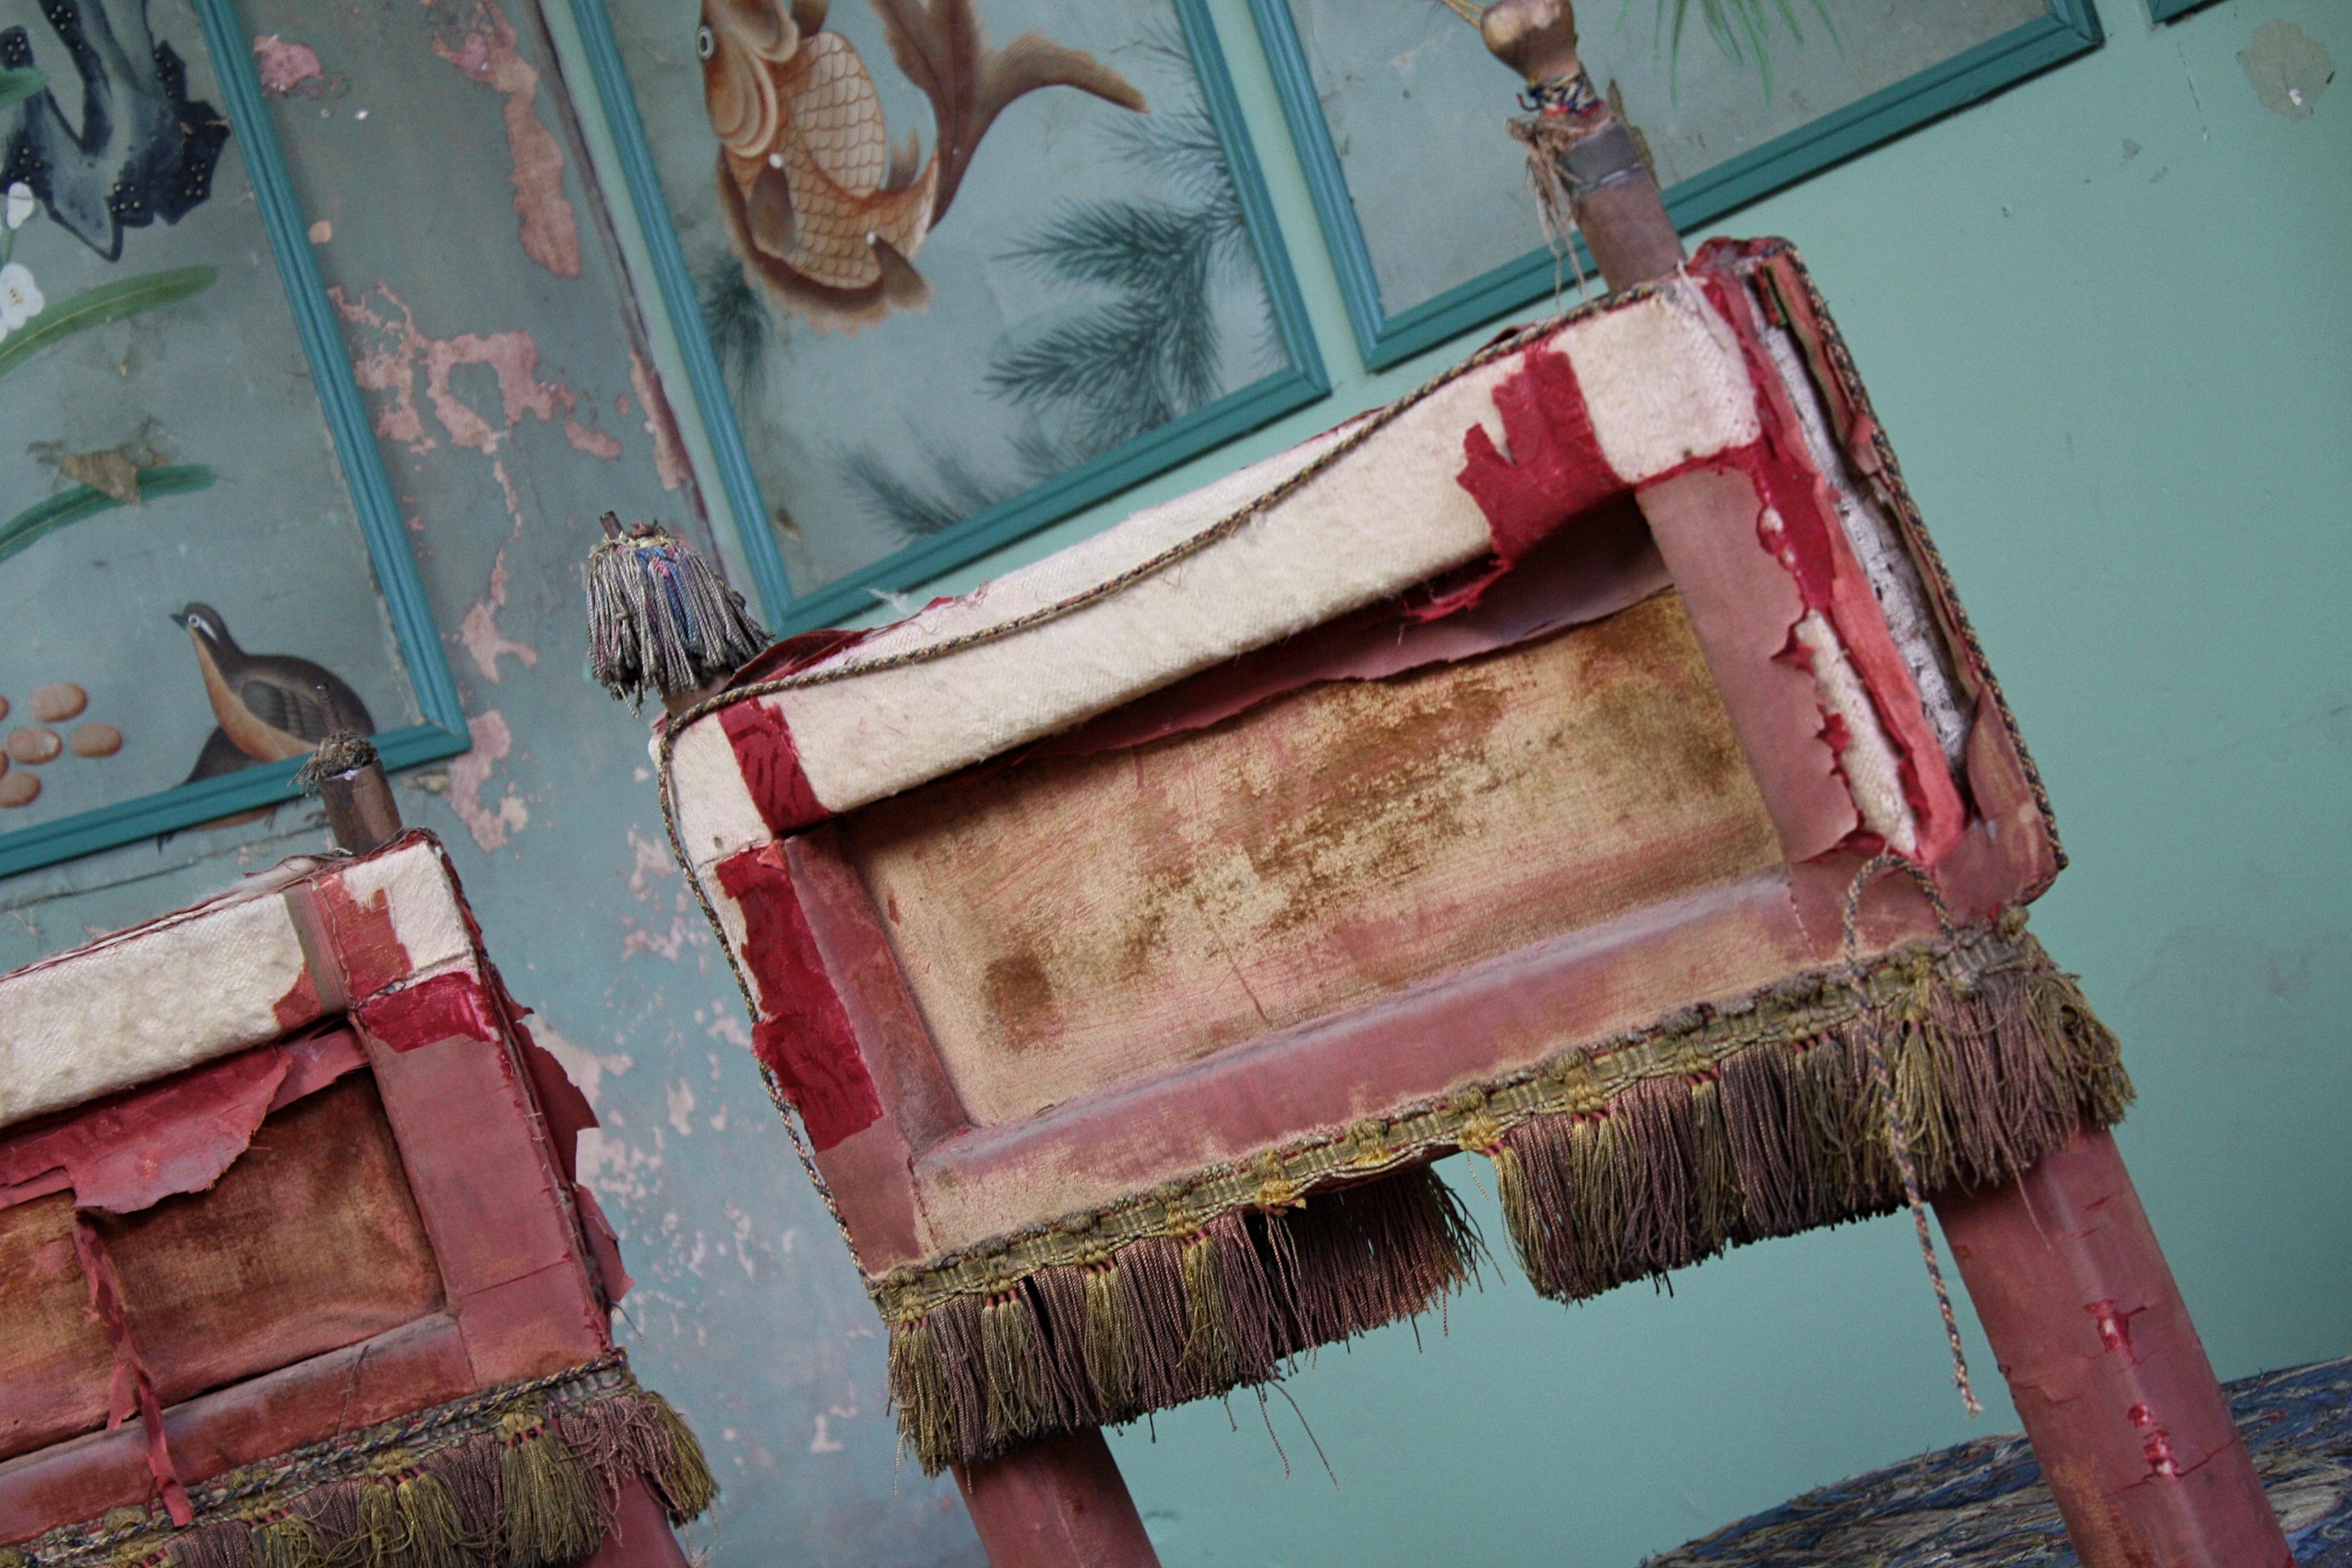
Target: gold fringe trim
[1716,1126]
[1165,1319]
[526,1475]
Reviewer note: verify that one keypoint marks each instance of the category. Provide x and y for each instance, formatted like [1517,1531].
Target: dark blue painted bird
[145,148]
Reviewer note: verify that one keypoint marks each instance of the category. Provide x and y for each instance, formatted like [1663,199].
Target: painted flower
[20,297]
[20,204]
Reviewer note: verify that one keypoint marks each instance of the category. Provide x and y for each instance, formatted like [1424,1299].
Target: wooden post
[640,1535]
[2132,1430]
[1056,1503]
[1612,194]
[361,812]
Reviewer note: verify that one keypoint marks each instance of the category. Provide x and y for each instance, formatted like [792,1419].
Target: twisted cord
[1898,1140]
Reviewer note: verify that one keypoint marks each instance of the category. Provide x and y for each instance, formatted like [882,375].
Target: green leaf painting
[66,507]
[96,307]
[15,86]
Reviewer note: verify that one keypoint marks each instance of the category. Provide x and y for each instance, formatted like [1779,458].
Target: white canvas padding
[152,1003]
[1874,775]
[1894,578]
[420,900]
[1662,377]
[1386,516]
[1665,382]
[716,814]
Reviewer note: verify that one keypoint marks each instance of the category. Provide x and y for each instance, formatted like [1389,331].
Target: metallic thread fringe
[1165,1319]
[1989,1079]
[1996,1058]
[661,619]
[525,1484]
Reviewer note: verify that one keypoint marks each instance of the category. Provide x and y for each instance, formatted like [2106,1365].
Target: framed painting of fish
[201,570]
[945,270]
[1735,98]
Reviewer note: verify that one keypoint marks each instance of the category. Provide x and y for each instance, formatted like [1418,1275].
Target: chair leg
[1057,1503]
[640,1537]
[2131,1428]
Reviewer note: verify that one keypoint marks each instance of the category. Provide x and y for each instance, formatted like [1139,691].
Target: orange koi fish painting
[826,217]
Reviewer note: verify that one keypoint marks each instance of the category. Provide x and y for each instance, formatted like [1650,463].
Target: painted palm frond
[1150,350]
[1146,355]
[71,506]
[922,508]
[1141,344]
[1742,30]
[97,307]
[742,333]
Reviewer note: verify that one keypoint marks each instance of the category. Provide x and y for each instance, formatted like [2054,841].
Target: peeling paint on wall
[2289,69]
[470,774]
[390,351]
[669,455]
[482,45]
[285,65]
[484,643]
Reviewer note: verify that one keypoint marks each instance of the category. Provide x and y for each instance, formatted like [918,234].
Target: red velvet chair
[296,1271]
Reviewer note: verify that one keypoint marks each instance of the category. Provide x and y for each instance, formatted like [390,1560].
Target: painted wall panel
[484,305]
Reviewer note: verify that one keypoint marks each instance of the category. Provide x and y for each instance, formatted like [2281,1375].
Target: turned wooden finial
[1535,38]
[1584,166]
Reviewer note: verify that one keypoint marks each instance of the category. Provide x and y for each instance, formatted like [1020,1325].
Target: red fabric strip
[770,765]
[454,1006]
[802,1034]
[134,1391]
[1554,469]
[132,1149]
[763,741]
[367,945]
[300,1004]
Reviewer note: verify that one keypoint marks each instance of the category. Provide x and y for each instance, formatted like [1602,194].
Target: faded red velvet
[763,741]
[134,1390]
[449,1006]
[803,1034]
[132,1149]
[1554,469]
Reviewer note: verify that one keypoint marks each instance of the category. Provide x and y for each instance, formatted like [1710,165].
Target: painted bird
[144,150]
[823,213]
[271,706]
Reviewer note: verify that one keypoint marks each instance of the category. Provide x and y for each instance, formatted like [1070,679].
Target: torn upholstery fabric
[369,1215]
[522,1476]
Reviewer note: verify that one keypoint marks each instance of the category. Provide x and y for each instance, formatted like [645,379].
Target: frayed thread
[1163,1321]
[521,1479]
[1989,1078]
[1721,1124]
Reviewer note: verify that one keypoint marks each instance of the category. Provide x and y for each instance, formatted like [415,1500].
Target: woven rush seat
[1583,762]
[1985,1504]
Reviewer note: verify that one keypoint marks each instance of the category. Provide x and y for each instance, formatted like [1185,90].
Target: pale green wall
[2121,384]
[2122,389]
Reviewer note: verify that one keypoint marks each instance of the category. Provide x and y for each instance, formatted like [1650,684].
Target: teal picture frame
[2173,10]
[442,730]
[1235,414]
[2067,28]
